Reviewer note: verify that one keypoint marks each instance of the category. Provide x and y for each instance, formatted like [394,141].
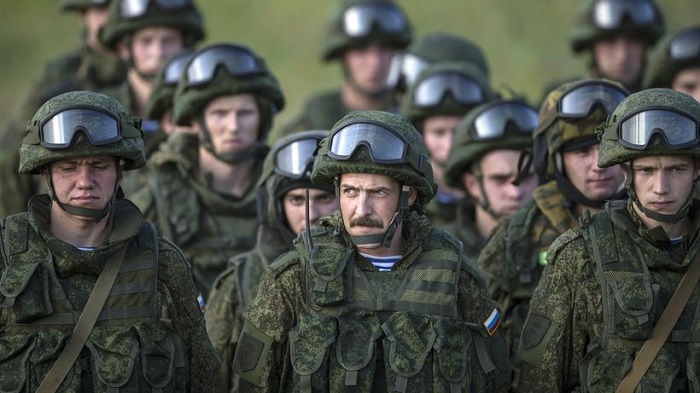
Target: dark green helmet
[447,88]
[495,125]
[165,84]
[80,5]
[226,69]
[600,19]
[81,124]
[380,143]
[673,54]
[652,122]
[127,16]
[358,22]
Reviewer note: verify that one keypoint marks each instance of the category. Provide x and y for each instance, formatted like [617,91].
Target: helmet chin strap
[667,218]
[95,214]
[256,151]
[384,239]
[571,193]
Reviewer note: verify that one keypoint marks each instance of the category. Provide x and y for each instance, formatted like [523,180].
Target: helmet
[226,69]
[433,48]
[496,125]
[651,122]
[673,54]
[165,83]
[448,88]
[568,118]
[51,133]
[368,142]
[599,19]
[80,5]
[127,16]
[357,22]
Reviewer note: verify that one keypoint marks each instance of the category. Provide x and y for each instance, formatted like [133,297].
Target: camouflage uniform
[150,335]
[606,284]
[234,289]
[325,319]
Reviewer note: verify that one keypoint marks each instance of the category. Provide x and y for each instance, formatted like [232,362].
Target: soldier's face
[620,58]
[663,183]
[368,203]
[498,170]
[437,134]
[581,168]
[321,203]
[93,18]
[151,47]
[233,122]
[85,182]
[367,67]
[688,82]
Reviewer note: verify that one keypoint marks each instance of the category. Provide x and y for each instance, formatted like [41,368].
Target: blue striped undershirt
[383,264]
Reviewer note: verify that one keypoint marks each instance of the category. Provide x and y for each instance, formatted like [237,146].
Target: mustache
[366,222]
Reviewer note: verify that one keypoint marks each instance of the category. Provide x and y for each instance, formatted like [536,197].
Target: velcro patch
[248,352]
[534,331]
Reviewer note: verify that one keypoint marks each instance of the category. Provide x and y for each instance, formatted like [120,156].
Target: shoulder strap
[662,329]
[85,323]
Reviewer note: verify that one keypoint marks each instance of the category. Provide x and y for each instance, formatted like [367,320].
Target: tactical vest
[633,299]
[522,267]
[131,348]
[387,331]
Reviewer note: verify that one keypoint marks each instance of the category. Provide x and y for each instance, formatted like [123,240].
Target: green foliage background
[526,41]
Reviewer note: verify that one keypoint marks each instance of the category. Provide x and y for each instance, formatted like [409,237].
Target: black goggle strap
[667,218]
[485,204]
[385,238]
[524,166]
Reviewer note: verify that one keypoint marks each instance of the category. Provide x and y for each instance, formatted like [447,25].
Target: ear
[123,49]
[697,168]
[471,184]
[625,166]
[412,195]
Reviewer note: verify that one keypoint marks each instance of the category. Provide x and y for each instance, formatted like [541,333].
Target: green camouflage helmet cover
[161,98]
[336,41]
[612,152]
[585,31]
[439,47]
[187,19]
[558,131]
[130,148]
[190,101]
[80,5]
[466,151]
[662,68]
[326,168]
[448,105]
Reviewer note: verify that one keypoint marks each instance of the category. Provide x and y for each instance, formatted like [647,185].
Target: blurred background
[526,42]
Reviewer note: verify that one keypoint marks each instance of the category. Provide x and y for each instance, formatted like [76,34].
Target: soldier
[601,315]
[201,186]
[92,299]
[374,298]
[483,162]
[363,35]
[436,101]
[616,35]
[565,156]
[282,202]
[675,63]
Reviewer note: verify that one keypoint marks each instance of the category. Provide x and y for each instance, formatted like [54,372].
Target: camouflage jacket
[335,323]
[465,230]
[589,315]
[150,335]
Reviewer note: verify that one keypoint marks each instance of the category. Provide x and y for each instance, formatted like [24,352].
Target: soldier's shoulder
[288,261]
[567,248]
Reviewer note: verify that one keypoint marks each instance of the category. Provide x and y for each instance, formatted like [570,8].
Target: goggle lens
[679,130]
[431,91]
[58,131]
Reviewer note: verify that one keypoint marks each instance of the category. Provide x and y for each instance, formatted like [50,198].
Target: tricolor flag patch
[200,300]
[492,322]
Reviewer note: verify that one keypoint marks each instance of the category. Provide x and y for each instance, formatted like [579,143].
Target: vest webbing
[520,252]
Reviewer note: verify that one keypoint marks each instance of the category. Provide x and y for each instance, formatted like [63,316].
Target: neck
[484,222]
[357,100]
[227,179]
[439,176]
[140,90]
[76,230]
[673,230]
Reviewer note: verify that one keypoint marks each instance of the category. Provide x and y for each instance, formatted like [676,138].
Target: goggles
[101,128]
[385,145]
[174,69]
[359,20]
[405,66]
[579,102]
[678,129]
[492,122]
[431,90]
[685,45]
[610,14]
[237,60]
[136,8]
[293,160]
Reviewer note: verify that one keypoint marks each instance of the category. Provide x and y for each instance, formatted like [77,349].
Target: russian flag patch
[492,322]
[200,300]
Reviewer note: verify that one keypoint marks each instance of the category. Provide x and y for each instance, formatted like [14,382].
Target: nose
[84,177]
[364,205]
[594,160]
[661,184]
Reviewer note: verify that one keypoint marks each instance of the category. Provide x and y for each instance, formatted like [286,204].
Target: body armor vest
[377,331]
[634,294]
[131,349]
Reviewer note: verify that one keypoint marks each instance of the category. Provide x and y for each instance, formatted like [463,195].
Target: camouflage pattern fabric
[154,336]
[589,315]
[316,339]
[465,229]
[514,257]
